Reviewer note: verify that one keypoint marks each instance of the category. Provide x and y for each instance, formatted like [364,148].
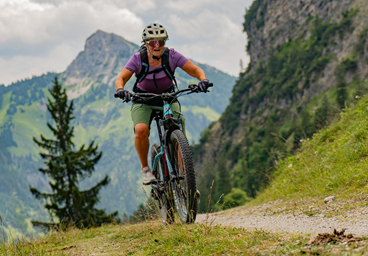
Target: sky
[40,36]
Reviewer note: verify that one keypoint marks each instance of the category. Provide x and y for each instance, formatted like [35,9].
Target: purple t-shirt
[163,82]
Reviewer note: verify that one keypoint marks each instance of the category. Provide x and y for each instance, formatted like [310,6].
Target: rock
[329,199]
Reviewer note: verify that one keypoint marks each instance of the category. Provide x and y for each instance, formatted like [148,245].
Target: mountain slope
[89,80]
[294,218]
[308,60]
[334,162]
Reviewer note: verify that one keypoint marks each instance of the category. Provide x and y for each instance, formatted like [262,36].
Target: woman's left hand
[203,85]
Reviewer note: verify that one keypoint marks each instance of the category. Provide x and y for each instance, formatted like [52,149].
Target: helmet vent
[154,31]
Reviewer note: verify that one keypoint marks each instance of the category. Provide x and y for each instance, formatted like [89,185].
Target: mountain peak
[104,53]
[102,35]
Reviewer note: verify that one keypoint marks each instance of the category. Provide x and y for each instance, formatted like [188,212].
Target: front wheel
[161,191]
[184,186]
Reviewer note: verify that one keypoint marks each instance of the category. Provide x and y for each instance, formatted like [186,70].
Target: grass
[5,105]
[28,124]
[333,162]
[153,238]
[209,113]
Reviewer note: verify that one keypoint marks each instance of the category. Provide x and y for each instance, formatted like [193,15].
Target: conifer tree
[66,167]
[223,182]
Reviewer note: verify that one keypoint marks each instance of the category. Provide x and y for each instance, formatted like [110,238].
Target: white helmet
[154,31]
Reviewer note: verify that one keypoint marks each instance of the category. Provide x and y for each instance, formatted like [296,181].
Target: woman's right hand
[123,94]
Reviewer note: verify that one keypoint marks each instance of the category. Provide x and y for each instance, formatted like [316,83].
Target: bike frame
[164,135]
[167,113]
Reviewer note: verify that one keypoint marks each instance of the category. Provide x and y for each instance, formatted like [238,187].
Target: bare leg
[141,142]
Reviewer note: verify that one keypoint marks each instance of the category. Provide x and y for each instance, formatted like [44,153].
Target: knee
[141,130]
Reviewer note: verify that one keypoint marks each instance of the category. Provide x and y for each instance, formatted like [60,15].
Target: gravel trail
[354,222]
[287,223]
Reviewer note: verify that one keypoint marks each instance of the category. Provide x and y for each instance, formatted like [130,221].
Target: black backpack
[144,69]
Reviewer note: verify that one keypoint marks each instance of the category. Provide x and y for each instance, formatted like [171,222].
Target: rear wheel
[160,190]
[185,186]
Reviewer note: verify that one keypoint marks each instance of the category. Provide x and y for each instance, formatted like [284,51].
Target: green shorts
[141,113]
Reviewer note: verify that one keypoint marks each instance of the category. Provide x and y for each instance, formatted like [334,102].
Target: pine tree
[222,182]
[66,167]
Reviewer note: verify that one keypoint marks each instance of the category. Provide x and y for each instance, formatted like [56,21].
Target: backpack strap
[145,67]
[166,66]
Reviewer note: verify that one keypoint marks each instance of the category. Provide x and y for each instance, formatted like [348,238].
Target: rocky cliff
[308,59]
[273,23]
[104,56]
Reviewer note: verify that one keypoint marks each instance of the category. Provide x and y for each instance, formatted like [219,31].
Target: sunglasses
[153,43]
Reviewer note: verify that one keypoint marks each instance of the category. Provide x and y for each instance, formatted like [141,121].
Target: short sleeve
[177,59]
[134,64]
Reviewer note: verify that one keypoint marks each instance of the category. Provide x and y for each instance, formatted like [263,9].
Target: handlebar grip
[124,100]
[210,85]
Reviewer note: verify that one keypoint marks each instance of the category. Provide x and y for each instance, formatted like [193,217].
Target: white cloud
[21,67]
[37,23]
[23,20]
[138,6]
[211,38]
[187,6]
[34,31]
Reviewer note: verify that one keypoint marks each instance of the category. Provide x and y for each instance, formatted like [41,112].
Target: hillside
[308,60]
[334,162]
[290,217]
[294,136]
[89,80]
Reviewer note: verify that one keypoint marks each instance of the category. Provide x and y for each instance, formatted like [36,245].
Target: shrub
[235,198]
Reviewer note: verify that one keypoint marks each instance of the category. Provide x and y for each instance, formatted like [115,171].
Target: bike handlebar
[191,87]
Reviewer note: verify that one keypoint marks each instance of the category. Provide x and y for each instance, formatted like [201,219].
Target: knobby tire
[186,187]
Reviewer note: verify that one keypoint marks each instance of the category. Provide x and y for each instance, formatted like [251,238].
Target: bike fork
[169,172]
[172,178]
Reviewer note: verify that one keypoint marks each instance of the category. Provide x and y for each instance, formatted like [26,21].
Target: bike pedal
[198,194]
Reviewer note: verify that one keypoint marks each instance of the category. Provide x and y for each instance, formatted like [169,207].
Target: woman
[156,80]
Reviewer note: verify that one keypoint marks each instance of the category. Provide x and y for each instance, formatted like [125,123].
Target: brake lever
[194,87]
[124,100]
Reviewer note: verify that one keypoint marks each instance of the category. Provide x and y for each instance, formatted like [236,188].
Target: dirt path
[287,223]
[355,222]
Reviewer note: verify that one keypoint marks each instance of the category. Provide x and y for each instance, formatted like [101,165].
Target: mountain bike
[172,163]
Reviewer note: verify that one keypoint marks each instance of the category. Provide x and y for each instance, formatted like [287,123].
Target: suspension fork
[169,171]
[154,167]
[168,166]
